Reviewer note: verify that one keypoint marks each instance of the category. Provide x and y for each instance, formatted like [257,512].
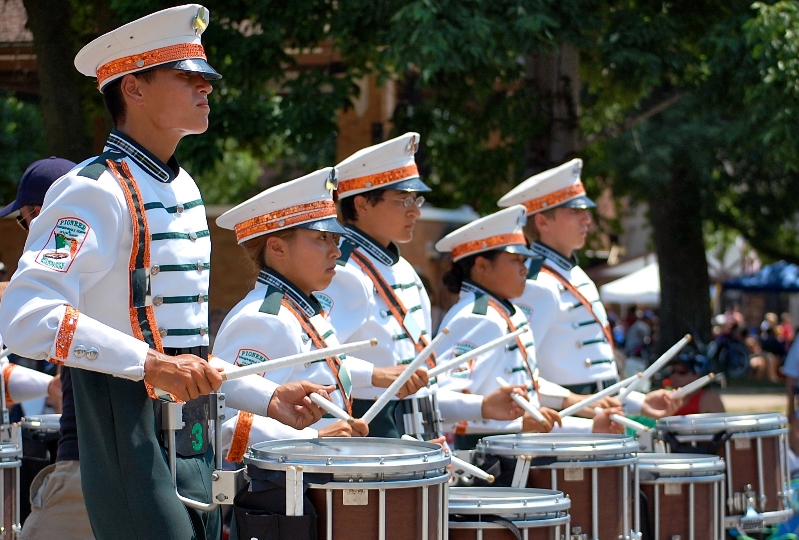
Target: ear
[479,268]
[361,204]
[276,248]
[131,90]
[541,222]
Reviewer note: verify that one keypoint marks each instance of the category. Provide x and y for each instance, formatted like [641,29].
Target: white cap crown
[555,187]
[500,230]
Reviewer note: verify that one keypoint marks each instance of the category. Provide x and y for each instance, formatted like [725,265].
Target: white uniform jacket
[69,301]
[357,312]
[570,344]
[21,383]
[477,318]
[262,327]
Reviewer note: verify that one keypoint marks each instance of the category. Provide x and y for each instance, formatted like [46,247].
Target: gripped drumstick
[624,421]
[465,357]
[465,466]
[693,386]
[590,400]
[524,404]
[331,407]
[395,386]
[664,359]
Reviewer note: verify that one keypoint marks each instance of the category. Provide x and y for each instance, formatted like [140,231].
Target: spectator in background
[685,369]
[785,331]
[773,348]
[639,336]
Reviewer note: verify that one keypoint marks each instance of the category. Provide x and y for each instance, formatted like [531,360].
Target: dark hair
[462,270]
[256,247]
[348,212]
[531,230]
[112,95]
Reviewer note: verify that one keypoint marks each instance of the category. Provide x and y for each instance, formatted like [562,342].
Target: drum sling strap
[545,268]
[519,343]
[193,439]
[395,306]
[499,520]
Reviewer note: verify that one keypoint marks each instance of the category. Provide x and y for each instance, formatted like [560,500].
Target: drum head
[563,446]
[42,422]
[693,424]
[343,455]
[654,466]
[504,501]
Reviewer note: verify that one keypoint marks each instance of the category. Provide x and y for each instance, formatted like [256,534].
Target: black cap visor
[329,224]
[582,202]
[518,249]
[196,65]
[411,184]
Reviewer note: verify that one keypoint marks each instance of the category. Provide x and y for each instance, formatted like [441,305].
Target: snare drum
[40,436]
[596,471]
[683,496]
[492,513]
[754,447]
[385,489]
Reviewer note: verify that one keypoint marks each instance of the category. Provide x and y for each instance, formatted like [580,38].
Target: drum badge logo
[63,244]
[326,302]
[461,347]
[245,357]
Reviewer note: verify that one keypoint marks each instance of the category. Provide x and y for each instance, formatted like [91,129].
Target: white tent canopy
[639,287]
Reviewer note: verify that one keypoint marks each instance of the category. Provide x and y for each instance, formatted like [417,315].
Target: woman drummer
[291,234]
[489,266]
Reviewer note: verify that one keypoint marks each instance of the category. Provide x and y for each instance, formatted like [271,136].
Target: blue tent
[774,278]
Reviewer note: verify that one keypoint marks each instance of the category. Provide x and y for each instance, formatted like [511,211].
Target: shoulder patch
[64,243]
[325,301]
[272,300]
[535,267]
[346,248]
[481,304]
[246,357]
[97,167]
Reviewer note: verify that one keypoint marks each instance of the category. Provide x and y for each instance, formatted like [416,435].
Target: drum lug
[578,534]
[751,520]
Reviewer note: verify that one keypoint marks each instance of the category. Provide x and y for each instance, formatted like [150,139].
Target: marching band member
[377,293]
[114,281]
[574,344]
[291,234]
[488,268]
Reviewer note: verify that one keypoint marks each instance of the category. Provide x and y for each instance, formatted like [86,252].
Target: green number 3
[197,431]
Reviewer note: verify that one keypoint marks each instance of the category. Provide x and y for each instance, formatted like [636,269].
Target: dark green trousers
[126,481]
[384,424]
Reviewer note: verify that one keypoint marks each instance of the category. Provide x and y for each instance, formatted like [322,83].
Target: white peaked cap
[500,231]
[388,165]
[168,38]
[560,186]
[305,203]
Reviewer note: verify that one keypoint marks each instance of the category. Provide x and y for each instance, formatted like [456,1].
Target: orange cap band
[554,198]
[138,62]
[373,181]
[486,244]
[286,217]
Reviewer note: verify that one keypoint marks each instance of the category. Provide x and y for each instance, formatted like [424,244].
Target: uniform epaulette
[272,301]
[480,304]
[97,167]
[535,267]
[346,248]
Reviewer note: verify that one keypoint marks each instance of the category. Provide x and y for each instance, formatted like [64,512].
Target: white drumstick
[664,359]
[395,386]
[465,357]
[331,407]
[524,404]
[5,353]
[236,372]
[465,466]
[590,400]
[624,421]
[692,387]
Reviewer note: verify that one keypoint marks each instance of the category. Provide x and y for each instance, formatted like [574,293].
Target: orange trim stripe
[555,198]
[284,218]
[66,332]
[241,435]
[374,181]
[462,250]
[145,60]
[7,377]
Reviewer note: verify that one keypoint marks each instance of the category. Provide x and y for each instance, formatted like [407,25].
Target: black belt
[590,388]
[192,439]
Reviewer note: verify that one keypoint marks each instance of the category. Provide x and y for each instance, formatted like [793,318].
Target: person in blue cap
[33,185]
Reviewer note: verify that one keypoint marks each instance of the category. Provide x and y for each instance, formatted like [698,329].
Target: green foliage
[21,143]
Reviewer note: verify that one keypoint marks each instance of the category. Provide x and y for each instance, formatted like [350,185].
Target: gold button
[79,351]
[192,236]
[203,331]
[92,353]
[158,300]
[200,266]
[154,269]
[163,332]
[179,209]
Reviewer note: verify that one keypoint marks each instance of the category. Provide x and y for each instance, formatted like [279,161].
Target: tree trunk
[65,131]
[676,217]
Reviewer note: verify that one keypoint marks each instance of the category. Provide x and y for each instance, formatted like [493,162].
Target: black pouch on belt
[192,439]
[260,510]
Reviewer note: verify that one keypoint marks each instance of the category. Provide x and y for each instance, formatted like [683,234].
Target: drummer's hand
[54,394]
[603,423]
[588,412]
[531,424]
[383,377]
[185,376]
[498,405]
[660,404]
[358,428]
[291,405]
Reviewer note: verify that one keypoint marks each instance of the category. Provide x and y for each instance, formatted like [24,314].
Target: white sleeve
[634,402]
[262,429]
[551,395]
[34,314]
[459,407]
[23,384]
[252,393]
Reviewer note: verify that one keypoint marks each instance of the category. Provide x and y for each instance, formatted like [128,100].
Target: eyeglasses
[680,371]
[408,201]
[23,220]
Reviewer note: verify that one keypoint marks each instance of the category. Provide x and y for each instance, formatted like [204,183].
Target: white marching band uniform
[276,319]
[479,317]
[21,383]
[573,343]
